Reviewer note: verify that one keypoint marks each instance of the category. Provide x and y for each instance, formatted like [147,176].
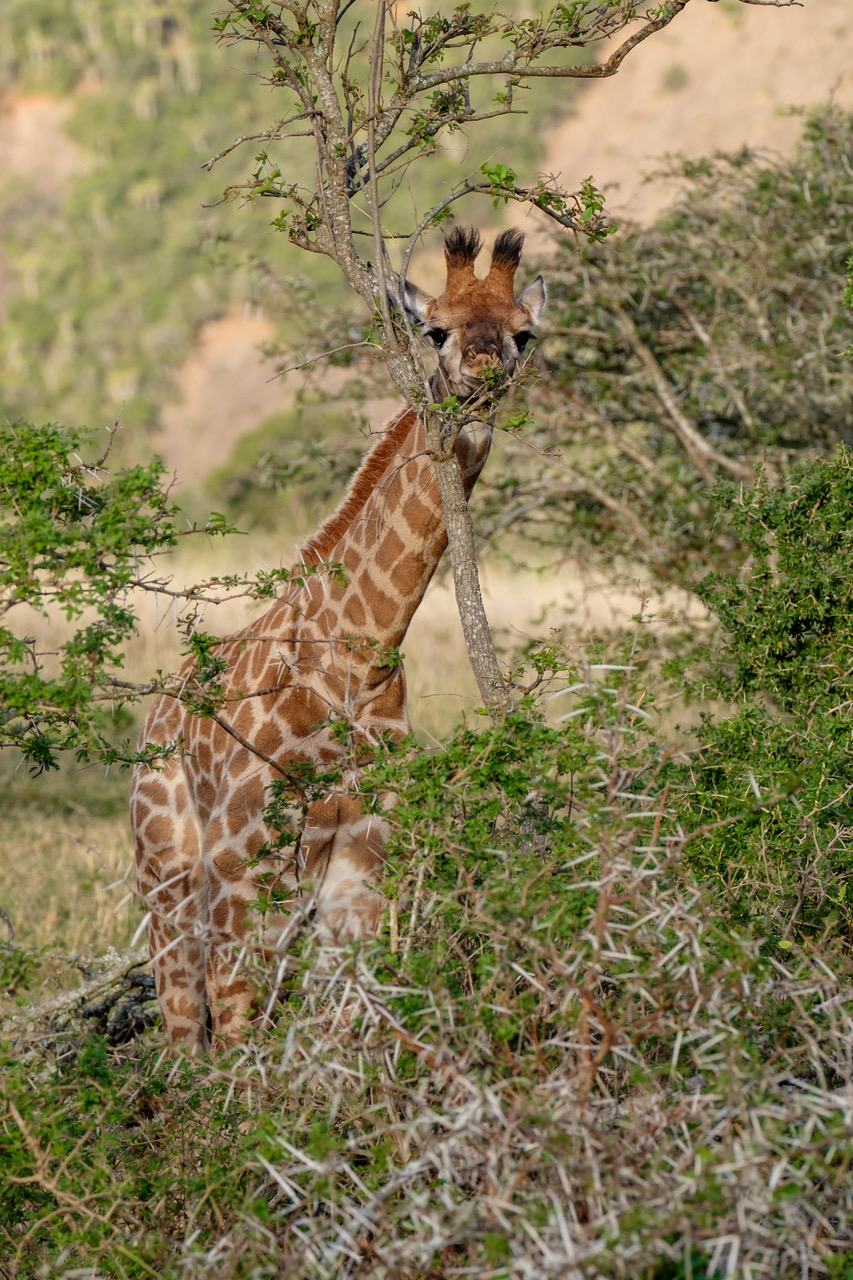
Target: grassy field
[66,877]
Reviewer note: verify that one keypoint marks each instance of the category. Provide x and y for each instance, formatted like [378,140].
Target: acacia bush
[771,784]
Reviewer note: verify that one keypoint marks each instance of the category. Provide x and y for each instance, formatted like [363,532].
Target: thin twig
[273,134]
[4,916]
[374,88]
[321,355]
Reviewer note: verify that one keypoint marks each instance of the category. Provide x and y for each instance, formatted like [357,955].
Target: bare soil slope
[227,387]
[33,144]
[35,148]
[721,76]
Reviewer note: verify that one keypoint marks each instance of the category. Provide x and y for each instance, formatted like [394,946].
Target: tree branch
[466,580]
[516,62]
[693,442]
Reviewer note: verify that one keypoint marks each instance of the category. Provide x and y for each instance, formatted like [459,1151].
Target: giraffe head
[476,324]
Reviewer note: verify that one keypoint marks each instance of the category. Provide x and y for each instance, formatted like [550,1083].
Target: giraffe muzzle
[478,364]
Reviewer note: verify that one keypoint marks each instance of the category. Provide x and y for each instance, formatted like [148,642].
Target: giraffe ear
[533,299]
[414,301]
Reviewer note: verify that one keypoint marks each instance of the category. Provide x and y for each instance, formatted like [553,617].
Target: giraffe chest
[230,763]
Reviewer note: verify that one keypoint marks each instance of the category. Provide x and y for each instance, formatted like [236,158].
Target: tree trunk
[466,581]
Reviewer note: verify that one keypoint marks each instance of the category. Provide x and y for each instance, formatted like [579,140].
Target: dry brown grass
[66,871]
[580,605]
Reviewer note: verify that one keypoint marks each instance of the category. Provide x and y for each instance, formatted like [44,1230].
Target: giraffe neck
[389,534]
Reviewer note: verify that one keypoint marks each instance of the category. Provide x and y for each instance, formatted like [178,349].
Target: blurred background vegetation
[114,275]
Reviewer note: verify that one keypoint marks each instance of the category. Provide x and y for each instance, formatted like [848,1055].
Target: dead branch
[116,1000]
[697,448]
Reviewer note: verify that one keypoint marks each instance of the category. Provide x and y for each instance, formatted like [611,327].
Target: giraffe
[321,649]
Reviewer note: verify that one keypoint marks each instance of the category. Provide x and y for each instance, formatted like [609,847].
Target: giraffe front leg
[231,992]
[345,853]
[177,961]
[243,942]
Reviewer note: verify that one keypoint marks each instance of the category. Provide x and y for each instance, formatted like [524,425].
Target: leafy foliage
[772,783]
[73,540]
[789,617]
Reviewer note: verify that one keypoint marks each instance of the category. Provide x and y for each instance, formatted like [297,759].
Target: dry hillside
[722,76]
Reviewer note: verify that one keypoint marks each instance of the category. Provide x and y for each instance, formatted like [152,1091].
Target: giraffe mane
[370,472]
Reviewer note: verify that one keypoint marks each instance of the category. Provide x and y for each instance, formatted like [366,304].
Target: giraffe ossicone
[321,651]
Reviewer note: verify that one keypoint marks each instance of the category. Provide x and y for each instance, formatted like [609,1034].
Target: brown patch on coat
[158,830]
[408,574]
[390,550]
[354,611]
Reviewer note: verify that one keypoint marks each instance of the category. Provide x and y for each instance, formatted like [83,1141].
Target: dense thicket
[770,785]
[605,1029]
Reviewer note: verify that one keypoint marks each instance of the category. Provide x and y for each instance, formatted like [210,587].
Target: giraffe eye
[438,336]
[521,339]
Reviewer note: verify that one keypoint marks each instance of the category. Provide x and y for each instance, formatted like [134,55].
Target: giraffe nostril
[490,356]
